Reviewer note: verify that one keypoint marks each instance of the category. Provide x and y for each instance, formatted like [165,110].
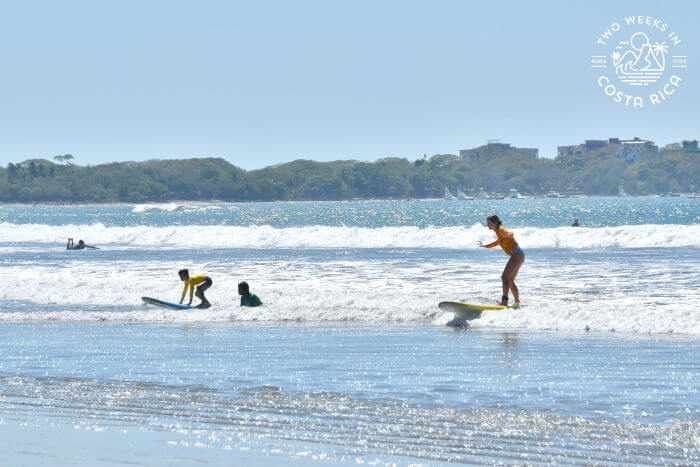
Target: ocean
[350,361]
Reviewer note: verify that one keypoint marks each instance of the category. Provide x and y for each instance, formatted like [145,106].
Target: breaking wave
[264,236]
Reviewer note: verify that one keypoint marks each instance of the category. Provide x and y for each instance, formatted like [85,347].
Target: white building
[627,149]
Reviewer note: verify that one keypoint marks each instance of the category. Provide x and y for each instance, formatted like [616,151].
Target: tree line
[497,170]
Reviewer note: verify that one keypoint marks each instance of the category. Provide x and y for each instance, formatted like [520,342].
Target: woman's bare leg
[508,276]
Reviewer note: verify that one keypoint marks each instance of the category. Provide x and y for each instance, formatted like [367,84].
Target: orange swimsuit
[505,239]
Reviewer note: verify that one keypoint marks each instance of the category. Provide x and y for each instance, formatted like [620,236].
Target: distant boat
[448,195]
[460,194]
[554,194]
[621,191]
[514,194]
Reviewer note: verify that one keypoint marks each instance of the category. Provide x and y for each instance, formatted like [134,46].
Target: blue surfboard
[171,305]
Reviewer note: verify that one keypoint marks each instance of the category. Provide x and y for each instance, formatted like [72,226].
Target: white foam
[534,316]
[460,237]
[168,207]
[598,296]
[603,316]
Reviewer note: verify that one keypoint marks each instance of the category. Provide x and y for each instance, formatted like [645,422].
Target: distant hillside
[496,170]
[157,180]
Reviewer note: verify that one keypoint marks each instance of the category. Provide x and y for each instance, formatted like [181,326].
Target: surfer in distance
[506,240]
[202,281]
[80,246]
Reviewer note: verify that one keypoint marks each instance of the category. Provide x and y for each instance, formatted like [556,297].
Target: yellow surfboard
[459,306]
[468,311]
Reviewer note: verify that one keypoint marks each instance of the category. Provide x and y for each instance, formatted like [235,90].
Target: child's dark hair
[494,218]
[244,286]
[183,272]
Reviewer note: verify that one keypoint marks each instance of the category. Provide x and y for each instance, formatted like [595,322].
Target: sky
[267,82]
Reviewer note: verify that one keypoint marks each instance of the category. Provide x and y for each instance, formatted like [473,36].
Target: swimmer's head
[493,220]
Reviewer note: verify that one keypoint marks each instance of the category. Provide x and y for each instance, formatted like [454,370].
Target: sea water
[350,360]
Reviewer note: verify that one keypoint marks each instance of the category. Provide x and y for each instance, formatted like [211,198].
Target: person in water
[80,246]
[247,298]
[202,281]
[507,241]
[575,224]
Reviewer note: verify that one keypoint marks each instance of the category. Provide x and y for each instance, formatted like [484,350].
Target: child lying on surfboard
[80,246]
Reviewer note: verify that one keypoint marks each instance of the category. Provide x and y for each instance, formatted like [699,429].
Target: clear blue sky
[261,83]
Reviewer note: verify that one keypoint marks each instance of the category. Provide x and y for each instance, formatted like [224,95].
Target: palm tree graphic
[642,62]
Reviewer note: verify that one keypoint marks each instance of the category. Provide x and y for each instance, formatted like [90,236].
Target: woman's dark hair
[494,219]
[183,272]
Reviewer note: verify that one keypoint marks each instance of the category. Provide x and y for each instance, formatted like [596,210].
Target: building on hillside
[593,144]
[691,146]
[627,149]
[477,153]
[632,148]
[572,150]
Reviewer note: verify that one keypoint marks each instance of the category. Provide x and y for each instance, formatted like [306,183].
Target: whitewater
[266,236]
[350,361]
[367,262]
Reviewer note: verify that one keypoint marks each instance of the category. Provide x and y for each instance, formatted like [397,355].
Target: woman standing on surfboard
[517,257]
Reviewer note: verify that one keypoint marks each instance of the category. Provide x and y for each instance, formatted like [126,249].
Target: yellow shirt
[505,239]
[191,282]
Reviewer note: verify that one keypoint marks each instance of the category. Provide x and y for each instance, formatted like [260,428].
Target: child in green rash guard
[247,298]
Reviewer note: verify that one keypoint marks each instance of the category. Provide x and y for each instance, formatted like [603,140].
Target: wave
[559,316]
[169,207]
[463,237]
[569,290]
[173,207]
